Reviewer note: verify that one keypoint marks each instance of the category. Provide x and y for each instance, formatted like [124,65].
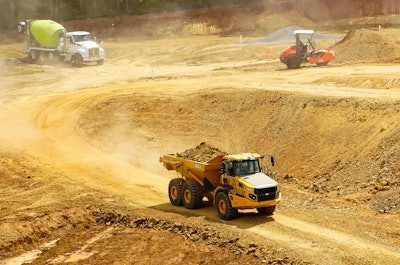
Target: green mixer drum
[46,32]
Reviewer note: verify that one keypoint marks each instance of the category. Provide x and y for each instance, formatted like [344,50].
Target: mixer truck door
[70,42]
[62,46]
[70,45]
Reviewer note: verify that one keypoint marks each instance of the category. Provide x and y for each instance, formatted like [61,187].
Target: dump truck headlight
[253,197]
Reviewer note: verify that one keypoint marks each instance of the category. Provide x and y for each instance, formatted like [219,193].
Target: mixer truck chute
[232,182]
[47,41]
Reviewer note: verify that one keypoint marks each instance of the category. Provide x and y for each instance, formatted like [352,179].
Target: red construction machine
[304,51]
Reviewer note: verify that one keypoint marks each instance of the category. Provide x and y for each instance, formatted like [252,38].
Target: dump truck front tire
[192,195]
[224,207]
[175,191]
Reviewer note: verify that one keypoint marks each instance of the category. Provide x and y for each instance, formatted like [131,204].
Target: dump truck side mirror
[271,157]
[272,160]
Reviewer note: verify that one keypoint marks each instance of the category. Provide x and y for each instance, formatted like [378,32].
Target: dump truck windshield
[246,167]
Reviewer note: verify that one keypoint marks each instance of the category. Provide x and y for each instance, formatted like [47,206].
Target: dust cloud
[21,133]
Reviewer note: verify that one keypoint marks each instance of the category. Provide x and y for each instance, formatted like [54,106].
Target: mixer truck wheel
[192,195]
[51,57]
[224,207]
[175,191]
[33,55]
[43,57]
[78,60]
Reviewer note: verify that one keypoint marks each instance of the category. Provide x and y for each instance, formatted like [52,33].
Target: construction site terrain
[80,178]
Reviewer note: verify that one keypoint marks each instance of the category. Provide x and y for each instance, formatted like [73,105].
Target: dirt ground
[80,178]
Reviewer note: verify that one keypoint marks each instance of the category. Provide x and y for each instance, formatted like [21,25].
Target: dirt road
[84,143]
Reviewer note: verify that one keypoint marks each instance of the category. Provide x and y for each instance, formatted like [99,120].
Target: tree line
[19,10]
[12,11]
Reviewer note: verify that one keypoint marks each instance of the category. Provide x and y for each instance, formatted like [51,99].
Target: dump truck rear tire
[175,191]
[266,211]
[192,195]
[224,207]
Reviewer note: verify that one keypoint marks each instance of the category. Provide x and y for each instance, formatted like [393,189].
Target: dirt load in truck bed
[201,153]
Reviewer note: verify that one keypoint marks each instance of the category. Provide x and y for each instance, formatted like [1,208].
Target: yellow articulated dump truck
[232,182]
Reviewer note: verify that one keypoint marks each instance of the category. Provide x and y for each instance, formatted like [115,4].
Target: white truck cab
[79,48]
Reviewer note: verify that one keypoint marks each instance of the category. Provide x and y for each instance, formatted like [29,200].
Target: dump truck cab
[246,186]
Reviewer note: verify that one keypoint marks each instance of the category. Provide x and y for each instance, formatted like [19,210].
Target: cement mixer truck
[232,182]
[48,41]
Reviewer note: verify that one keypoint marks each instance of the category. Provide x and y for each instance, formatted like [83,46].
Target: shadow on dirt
[56,63]
[245,220]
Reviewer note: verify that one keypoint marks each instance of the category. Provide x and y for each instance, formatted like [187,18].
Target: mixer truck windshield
[81,37]
[246,167]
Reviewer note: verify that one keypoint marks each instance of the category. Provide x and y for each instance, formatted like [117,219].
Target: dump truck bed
[203,172]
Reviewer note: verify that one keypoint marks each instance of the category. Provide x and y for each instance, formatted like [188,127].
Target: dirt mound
[365,45]
[201,153]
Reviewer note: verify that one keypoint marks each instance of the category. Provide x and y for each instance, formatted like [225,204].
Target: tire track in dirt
[57,142]
[309,240]
[328,242]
